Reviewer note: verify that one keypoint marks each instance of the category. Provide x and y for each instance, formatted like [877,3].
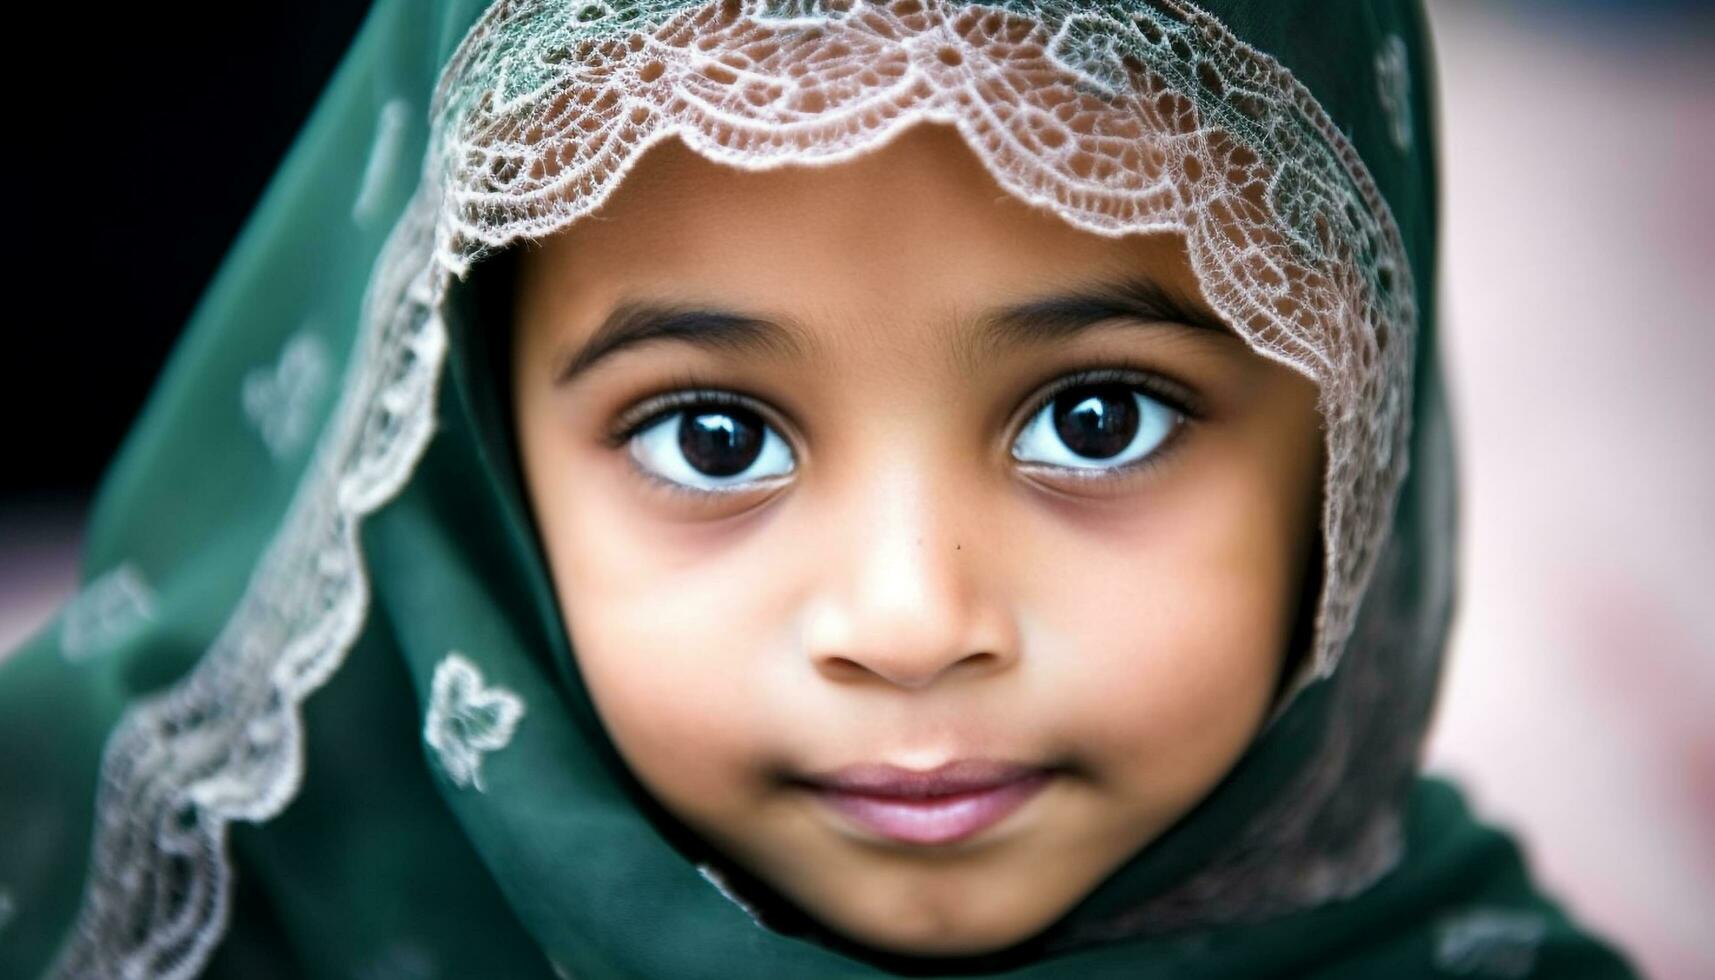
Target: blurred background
[1579,251]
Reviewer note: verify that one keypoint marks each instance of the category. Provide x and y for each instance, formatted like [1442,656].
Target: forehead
[918,224]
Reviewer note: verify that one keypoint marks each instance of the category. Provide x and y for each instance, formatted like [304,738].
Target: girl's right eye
[711,446]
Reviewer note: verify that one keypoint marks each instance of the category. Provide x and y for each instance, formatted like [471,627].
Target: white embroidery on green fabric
[1207,120]
[108,610]
[1489,942]
[1393,88]
[282,398]
[383,159]
[468,718]
[718,880]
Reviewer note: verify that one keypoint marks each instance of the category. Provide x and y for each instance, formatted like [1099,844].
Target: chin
[940,936]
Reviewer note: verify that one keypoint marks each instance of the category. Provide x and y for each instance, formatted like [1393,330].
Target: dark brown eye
[1097,421]
[711,445]
[1096,426]
[720,442]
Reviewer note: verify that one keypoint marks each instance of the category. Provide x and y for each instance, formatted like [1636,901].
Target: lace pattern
[1157,119]
[225,742]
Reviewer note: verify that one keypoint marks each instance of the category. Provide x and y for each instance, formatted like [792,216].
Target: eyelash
[686,391]
[681,392]
[1178,397]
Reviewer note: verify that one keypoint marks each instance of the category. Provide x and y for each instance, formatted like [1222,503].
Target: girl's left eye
[711,446]
[1096,427]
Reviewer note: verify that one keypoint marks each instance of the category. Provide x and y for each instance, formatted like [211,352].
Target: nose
[905,599]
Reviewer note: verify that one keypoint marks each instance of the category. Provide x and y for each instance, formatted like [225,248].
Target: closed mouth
[945,805]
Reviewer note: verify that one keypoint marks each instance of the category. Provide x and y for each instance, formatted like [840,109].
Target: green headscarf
[314,711]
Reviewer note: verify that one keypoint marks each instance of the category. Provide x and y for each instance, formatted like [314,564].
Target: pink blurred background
[1580,333]
[1579,250]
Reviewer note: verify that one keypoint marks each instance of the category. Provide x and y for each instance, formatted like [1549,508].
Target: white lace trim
[1157,120]
[225,742]
[1147,120]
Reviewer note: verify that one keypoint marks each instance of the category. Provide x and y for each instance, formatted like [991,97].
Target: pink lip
[937,806]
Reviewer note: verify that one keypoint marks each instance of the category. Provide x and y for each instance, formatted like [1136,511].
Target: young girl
[795,489]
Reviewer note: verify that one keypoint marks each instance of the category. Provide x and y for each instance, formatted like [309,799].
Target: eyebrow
[1137,299]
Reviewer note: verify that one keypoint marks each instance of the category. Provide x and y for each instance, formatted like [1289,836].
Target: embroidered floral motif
[383,158]
[281,399]
[1489,942]
[1393,88]
[468,718]
[105,613]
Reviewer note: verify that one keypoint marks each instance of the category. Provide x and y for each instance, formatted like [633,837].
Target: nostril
[981,658]
[843,668]
[901,671]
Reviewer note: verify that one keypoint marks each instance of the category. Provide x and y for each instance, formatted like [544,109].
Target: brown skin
[909,592]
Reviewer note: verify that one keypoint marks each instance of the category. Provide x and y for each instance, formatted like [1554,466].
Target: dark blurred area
[1578,154]
[144,137]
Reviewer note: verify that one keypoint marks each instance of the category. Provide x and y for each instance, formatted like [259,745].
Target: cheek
[1177,622]
[667,646]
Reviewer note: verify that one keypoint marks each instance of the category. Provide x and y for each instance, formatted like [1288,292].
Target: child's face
[889,550]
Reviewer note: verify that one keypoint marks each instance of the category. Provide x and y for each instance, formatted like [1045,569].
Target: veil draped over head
[313,710]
